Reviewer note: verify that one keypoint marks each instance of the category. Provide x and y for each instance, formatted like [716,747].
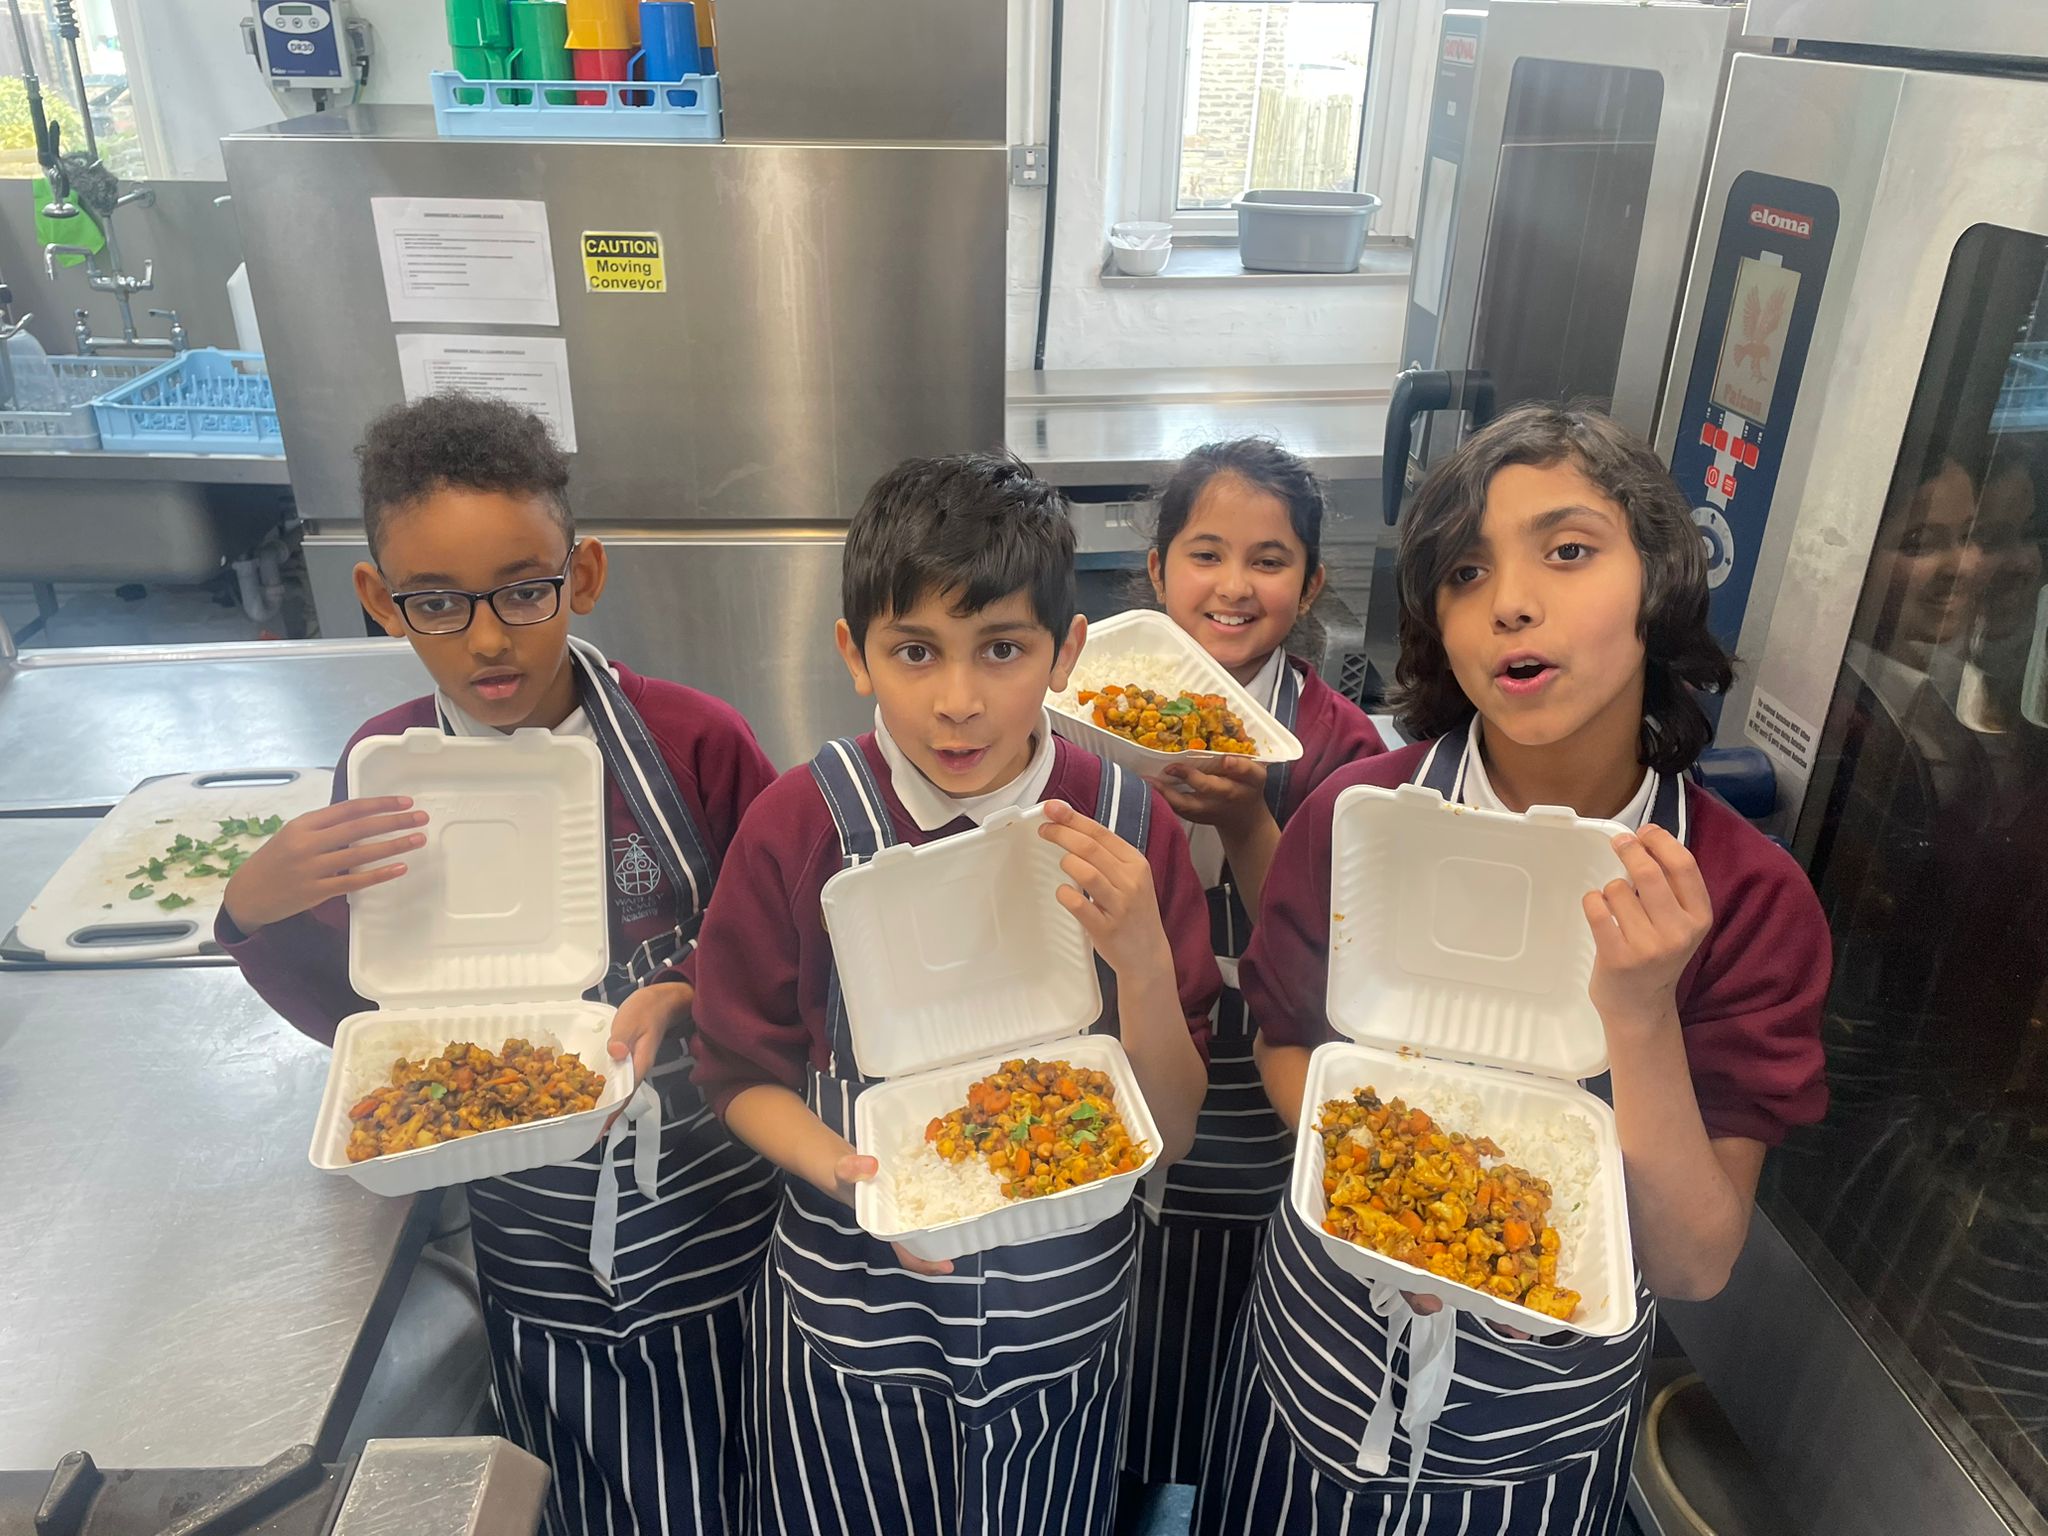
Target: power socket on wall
[1028,165]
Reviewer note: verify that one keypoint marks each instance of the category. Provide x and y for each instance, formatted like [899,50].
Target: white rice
[1561,1151]
[1123,671]
[930,1191]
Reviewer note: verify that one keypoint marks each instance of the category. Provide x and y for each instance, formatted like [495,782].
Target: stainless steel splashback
[831,308]
[909,69]
[1991,28]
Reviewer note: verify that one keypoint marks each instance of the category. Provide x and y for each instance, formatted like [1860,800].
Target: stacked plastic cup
[603,37]
[480,43]
[540,47]
[668,43]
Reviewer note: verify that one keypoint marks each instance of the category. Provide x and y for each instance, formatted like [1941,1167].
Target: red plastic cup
[601,64]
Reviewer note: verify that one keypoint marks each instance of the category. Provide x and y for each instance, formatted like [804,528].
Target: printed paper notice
[1781,733]
[532,371]
[466,260]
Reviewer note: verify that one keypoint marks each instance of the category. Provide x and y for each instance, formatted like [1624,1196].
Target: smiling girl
[1553,631]
[1236,561]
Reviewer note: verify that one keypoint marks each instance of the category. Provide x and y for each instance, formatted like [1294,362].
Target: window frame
[1157,82]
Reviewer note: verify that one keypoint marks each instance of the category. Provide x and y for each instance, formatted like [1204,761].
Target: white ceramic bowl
[1142,232]
[1140,261]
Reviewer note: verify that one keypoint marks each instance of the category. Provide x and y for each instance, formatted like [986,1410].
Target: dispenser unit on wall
[316,46]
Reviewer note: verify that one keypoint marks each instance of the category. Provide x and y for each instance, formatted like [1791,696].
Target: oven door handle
[1416,390]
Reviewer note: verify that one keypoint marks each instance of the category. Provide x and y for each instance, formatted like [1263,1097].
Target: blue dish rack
[679,110]
[53,412]
[204,401]
[2023,402]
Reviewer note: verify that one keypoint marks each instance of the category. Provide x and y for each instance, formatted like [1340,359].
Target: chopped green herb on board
[191,858]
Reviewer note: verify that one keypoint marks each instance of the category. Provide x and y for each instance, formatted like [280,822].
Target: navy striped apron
[1204,1224]
[1530,1437]
[616,1311]
[885,1403]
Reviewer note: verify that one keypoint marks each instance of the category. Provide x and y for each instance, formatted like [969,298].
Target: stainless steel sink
[96,517]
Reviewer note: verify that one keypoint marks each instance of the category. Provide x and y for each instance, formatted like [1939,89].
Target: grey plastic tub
[1303,231]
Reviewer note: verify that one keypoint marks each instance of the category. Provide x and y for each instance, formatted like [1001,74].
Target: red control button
[1727,485]
[1707,433]
[1720,439]
[1713,478]
[1749,454]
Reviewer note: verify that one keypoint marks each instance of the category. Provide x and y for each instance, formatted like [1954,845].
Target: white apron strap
[1432,1354]
[643,1114]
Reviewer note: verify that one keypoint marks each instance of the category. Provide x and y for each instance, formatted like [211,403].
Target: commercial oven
[1567,145]
[1568,140]
[1857,407]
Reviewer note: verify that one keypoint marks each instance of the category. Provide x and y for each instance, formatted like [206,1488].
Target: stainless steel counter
[1131,426]
[86,726]
[183,468]
[30,851]
[178,1287]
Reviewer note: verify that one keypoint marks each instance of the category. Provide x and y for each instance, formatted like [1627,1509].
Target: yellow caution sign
[619,262]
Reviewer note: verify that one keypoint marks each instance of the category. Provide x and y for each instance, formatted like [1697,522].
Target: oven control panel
[1770,263]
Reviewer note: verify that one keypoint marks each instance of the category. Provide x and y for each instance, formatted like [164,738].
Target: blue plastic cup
[668,39]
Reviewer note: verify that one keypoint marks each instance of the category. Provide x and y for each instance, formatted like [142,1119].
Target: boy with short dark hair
[615,1345]
[886,1394]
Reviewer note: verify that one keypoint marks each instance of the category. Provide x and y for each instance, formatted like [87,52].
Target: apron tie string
[643,1115]
[1432,1350]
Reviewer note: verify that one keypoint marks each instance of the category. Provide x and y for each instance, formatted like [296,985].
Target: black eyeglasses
[532,600]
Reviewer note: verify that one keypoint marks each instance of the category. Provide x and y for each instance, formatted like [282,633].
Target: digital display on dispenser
[1753,344]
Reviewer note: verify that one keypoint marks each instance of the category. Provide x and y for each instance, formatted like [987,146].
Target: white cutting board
[84,915]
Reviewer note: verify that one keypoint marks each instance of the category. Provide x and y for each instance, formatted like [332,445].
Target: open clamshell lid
[959,949]
[1458,933]
[507,899]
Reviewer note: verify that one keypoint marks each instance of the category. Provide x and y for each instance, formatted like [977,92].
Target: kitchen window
[106,89]
[1236,95]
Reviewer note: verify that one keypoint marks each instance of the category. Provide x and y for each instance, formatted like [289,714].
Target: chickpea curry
[1041,1126]
[1400,1184]
[466,1090]
[1169,722]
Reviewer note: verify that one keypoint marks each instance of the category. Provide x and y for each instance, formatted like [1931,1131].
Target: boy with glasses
[614,1352]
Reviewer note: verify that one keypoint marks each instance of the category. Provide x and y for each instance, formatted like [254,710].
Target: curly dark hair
[978,525]
[1681,654]
[461,440]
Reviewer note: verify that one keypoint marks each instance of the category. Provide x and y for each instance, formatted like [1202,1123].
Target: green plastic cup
[479,24]
[540,46]
[479,42]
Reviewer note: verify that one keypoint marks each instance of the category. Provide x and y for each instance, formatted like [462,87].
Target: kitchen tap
[121,285]
[103,282]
